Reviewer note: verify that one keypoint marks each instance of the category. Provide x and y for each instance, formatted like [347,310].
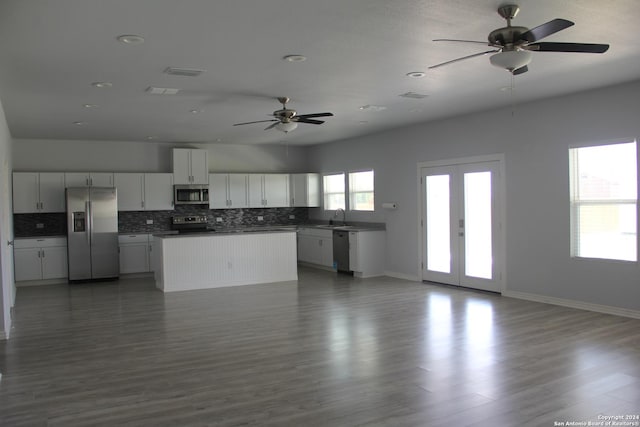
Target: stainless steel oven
[191,194]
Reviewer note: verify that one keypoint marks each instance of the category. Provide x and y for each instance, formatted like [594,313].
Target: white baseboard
[26,283]
[606,309]
[403,276]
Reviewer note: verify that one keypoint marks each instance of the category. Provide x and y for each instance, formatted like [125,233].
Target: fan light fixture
[286,127]
[511,60]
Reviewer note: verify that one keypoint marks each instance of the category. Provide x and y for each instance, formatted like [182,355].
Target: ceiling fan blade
[462,41]
[306,116]
[520,70]
[257,121]
[305,120]
[464,57]
[545,30]
[272,125]
[568,47]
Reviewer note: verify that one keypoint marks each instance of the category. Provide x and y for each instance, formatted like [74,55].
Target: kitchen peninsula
[218,259]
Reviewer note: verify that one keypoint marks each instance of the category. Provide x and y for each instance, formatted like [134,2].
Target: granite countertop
[230,231]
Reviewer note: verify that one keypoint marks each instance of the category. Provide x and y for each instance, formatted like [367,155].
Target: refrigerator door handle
[89,232]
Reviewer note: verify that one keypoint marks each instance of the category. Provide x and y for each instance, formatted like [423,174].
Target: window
[361,191]
[333,187]
[604,195]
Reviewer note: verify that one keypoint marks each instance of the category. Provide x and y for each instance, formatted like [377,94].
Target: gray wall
[7,285]
[534,138]
[123,156]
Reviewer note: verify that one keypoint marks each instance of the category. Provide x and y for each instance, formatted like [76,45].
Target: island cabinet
[135,253]
[268,190]
[315,246]
[304,190]
[366,253]
[40,258]
[228,191]
[190,166]
[38,192]
[88,179]
[144,191]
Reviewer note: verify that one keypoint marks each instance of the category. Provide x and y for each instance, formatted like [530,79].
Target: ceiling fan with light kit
[513,45]
[286,119]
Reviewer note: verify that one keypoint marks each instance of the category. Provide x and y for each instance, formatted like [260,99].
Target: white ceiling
[359,52]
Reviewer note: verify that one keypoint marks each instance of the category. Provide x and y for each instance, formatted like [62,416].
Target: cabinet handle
[43,253]
[142,204]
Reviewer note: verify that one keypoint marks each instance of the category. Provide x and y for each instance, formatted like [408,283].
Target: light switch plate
[292,217]
[218,219]
[260,218]
[149,221]
[39,225]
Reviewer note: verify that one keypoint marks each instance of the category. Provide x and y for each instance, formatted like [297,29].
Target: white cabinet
[190,166]
[88,179]
[130,188]
[305,189]
[228,191]
[135,251]
[38,192]
[268,190]
[40,259]
[315,246]
[144,191]
[366,253]
[158,191]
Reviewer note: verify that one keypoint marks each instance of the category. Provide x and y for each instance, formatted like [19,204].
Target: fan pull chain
[513,101]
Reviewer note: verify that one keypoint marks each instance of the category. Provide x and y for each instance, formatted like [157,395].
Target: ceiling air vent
[186,72]
[162,90]
[413,95]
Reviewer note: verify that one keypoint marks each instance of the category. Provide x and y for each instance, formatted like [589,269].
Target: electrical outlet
[218,219]
[149,222]
[39,225]
[260,218]
[292,217]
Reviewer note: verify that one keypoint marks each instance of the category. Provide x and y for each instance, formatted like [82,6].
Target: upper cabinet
[190,166]
[144,191]
[228,191]
[38,192]
[268,190]
[89,179]
[305,190]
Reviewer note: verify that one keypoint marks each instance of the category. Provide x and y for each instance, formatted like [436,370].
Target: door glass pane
[478,254]
[438,224]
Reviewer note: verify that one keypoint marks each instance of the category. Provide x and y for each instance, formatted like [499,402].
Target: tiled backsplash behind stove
[26,225]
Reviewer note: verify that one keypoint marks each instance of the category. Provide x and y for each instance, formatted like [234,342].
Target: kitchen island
[212,260]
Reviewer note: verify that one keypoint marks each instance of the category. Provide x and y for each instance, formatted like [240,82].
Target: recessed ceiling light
[295,58]
[130,39]
[416,74]
[413,95]
[89,105]
[363,122]
[102,84]
[373,107]
[195,111]
[506,88]
[151,138]
[79,123]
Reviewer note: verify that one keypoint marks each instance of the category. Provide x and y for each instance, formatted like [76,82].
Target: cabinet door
[27,265]
[76,179]
[25,192]
[134,258]
[158,191]
[181,166]
[297,183]
[354,260]
[101,179]
[276,190]
[199,167]
[130,188]
[326,252]
[52,197]
[218,197]
[309,249]
[54,262]
[238,192]
[256,199]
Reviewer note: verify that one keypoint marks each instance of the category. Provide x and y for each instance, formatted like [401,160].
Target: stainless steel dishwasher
[341,251]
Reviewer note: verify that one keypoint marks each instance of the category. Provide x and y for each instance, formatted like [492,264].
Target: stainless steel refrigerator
[92,233]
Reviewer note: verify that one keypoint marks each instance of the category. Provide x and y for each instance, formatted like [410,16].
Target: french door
[461,231]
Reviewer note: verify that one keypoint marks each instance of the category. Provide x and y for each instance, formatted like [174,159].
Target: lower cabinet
[366,253]
[315,246]
[135,253]
[40,259]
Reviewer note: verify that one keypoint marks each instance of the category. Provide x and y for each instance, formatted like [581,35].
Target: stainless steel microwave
[191,194]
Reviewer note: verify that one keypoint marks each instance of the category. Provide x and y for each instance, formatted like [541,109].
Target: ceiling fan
[512,45]
[287,119]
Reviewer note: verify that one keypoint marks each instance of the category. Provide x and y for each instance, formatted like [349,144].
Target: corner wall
[534,138]
[7,284]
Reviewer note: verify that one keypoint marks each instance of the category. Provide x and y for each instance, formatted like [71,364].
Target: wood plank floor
[328,350]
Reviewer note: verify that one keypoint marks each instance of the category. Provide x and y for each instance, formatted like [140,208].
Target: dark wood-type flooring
[328,350]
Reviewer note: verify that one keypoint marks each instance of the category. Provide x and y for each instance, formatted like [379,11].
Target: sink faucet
[344,215]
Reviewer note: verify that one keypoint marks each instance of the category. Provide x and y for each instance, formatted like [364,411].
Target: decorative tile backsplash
[53,224]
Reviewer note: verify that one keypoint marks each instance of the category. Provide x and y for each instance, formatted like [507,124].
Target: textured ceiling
[359,52]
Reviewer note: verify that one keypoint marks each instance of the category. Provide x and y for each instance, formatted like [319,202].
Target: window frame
[352,193]
[325,194]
